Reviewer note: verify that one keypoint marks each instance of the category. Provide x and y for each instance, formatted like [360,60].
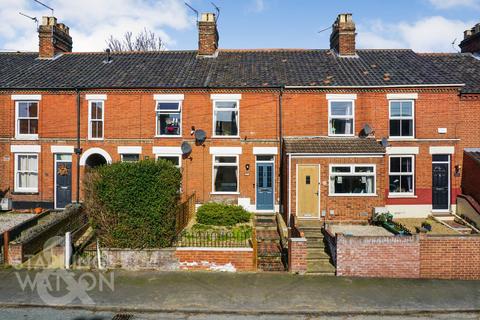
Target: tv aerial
[34,19]
[193,9]
[44,5]
[216,9]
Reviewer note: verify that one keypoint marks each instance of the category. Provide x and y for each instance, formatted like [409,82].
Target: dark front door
[264,186]
[440,185]
[63,184]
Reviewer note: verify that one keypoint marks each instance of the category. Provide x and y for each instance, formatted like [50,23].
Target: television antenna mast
[43,4]
[191,8]
[34,19]
[216,9]
[323,30]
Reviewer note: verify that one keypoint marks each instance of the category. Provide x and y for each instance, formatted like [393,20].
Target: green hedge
[133,204]
[219,214]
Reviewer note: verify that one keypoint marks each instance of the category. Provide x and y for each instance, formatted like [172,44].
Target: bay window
[352,179]
[401,171]
[26,172]
[225,174]
[27,119]
[225,118]
[401,118]
[341,117]
[169,118]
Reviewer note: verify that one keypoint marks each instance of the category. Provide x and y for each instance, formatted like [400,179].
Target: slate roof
[230,69]
[328,145]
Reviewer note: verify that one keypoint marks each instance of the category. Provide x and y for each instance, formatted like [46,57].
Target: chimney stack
[54,38]
[207,35]
[471,41]
[342,39]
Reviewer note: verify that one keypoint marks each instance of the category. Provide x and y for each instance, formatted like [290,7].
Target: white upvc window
[96,113]
[130,157]
[175,159]
[26,172]
[402,118]
[226,120]
[353,180]
[225,174]
[169,118]
[26,114]
[341,117]
[401,175]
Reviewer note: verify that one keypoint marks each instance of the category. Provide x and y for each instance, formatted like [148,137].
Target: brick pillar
[15,254]
[297,255]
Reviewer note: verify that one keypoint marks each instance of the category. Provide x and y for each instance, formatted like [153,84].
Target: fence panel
[185,213]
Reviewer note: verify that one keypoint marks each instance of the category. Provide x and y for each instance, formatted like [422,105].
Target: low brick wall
[216,259]
[450,257]
[418,256]
[385,257]
[141,259]
[297,255]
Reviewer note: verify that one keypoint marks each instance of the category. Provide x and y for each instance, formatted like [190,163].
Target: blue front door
[264,186]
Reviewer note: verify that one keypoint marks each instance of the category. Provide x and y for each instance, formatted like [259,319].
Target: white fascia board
[61,149]
[225,150]
[96,96]
[402,96]
[169,97]
[341,97]
[442,150]
[28,148]
[18,97]
[129,150]
[226,96]
[402,150]
[265,150]
[167,150]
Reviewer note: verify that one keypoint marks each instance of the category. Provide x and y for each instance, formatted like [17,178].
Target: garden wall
[418,256]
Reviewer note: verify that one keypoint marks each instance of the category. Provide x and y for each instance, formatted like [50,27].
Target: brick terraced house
[313,134]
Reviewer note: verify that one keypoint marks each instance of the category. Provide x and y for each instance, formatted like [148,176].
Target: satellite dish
[384,142]
[367,129]
[186,148]
[200,136]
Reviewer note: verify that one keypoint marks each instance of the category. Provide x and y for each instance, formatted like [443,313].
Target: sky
[421,25]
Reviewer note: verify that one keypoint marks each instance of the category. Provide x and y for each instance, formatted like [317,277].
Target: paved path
[252,294]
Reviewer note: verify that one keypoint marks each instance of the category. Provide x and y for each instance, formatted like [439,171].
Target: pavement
[232,295]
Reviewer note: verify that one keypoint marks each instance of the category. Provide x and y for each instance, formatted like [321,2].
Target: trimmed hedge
[219,214]
[133,204]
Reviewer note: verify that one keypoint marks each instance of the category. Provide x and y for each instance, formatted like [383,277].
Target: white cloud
[91,22]
[258,5]
[430,34]
[447,4]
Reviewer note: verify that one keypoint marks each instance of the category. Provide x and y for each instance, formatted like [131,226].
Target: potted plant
[37,210]
[427,226]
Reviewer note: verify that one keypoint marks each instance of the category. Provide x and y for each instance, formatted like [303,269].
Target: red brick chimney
[342,39]
[471,41]
[54,38]
[207,35]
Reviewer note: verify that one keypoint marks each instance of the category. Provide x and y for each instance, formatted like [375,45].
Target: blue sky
[423,25]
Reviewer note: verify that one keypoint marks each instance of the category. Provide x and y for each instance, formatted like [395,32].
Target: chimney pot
[342,39]
[53,38]
[207,35]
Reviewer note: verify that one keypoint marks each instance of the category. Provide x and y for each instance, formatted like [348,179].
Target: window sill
[31,193]
[224,193]
[167,136]
[95,139]
[341,135]
[401,138]
[26,137]
[353,195]
[402,196]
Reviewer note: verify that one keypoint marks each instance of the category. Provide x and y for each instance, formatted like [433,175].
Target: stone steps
[269,250]
[318,256]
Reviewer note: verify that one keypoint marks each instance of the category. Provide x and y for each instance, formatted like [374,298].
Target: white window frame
[401,194]
[352,173]
[236,164]
[158,113]
[17,187]
[124,154]
[214,117]
[23,136]
[330,117]
[90,119]
[390,117]
[162,155]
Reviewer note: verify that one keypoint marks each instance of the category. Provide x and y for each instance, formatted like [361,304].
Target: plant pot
[37,210]
[427,227]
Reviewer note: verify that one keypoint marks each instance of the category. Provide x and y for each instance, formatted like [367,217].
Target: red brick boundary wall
[216,259]
[297,255]
[418,256]
[384,257]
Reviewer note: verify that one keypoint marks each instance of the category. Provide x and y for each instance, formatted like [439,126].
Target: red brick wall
[297,255]
[211,260]
[450,257]
[471,177]
[385,257]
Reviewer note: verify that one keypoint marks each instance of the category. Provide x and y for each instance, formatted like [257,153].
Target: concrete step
[320,266]
[315,243]
[271,266]
[318,254]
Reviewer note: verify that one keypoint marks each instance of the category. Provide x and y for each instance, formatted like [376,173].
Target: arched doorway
[95,157]
[95,160]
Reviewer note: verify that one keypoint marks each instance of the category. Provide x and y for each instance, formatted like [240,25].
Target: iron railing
[214,238]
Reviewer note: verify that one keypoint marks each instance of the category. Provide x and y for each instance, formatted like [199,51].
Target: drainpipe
[78,149]
[280,134]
